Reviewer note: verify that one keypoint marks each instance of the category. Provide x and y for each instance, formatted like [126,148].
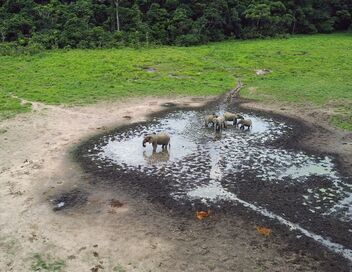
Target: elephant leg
[235,122]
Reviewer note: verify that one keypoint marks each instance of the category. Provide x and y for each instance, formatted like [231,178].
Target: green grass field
[305,69]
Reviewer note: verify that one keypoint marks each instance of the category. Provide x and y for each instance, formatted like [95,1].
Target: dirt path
[103,235]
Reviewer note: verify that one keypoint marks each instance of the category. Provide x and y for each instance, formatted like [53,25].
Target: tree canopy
[105,23]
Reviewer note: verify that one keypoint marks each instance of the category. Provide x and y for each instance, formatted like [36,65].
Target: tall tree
[117,4]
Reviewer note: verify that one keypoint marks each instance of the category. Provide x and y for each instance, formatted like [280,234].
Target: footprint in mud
[97,268]
[114,203]
[71,257]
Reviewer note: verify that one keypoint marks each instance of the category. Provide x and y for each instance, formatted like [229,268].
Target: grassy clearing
[305,69]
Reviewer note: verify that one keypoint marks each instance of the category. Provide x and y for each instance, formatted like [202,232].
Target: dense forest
[107,23]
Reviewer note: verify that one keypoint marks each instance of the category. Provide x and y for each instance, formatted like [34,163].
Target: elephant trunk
[144,142]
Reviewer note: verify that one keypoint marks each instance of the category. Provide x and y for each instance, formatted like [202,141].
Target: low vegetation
[41,263]
[306,70]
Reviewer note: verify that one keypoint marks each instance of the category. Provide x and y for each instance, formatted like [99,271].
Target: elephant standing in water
[220,123]
[232,117]
[209,119]
[162,139]
[245,123]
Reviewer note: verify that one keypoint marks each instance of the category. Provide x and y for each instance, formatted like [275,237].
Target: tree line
[108,23]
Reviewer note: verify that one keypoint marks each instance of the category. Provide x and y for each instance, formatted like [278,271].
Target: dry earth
[102,235]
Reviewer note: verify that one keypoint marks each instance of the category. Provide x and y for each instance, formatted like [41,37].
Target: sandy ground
[138,236]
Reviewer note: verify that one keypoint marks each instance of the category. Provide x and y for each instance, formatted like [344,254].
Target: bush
[49,40]
[14,49]
[188,40]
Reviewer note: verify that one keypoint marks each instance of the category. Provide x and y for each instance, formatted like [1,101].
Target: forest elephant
[209,119]
[162,139]
[229,116]
[219,123]
[245,123]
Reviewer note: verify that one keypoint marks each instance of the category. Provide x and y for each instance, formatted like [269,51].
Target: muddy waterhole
[257,169]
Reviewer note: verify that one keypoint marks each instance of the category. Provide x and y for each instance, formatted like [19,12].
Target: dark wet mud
[259,170]
[67,200]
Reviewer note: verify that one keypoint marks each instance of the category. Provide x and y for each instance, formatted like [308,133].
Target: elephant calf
[162,139]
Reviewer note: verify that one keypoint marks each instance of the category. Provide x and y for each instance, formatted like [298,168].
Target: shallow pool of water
[246,167]
[198,154]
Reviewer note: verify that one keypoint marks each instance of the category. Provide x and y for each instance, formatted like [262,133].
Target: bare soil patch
[262,72]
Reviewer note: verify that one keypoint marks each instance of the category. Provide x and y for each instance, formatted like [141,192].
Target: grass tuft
[47,264]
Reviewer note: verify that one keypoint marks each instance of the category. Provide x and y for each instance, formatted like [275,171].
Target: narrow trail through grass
[305,69]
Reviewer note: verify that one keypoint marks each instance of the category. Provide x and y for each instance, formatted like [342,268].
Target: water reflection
[157,157]
[217,135]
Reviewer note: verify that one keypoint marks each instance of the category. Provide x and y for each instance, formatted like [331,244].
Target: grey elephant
[209,119]
[162,139]
[245,123]
[229,116]
[219,123]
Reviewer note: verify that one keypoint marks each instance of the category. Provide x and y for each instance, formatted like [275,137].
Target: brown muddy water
[257,169]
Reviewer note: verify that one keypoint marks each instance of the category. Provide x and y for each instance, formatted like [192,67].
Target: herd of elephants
[216,121]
